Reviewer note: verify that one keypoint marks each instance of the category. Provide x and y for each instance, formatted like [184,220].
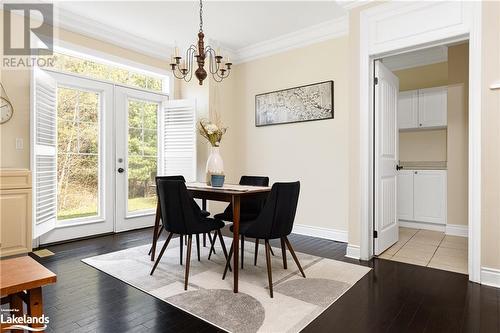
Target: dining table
[231,193]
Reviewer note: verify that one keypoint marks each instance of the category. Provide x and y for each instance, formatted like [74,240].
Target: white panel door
[386,158]
[408,109]
[430,196]
[432,104]
[405,195]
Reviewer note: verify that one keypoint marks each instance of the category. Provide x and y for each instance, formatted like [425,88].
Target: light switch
[19,143]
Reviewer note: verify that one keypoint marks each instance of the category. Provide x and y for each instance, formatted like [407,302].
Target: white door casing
[386,157]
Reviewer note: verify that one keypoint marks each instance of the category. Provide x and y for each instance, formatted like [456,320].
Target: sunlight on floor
[429,248]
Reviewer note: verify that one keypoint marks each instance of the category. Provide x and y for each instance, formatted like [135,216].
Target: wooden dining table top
[227,188]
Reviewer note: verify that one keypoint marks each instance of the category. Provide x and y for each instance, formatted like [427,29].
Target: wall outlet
[19,143]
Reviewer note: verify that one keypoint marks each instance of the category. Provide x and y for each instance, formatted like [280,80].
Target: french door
[97,148]
[138,156]
[72,161]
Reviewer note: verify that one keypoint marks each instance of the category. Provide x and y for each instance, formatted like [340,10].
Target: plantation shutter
[44,159]
[179,139]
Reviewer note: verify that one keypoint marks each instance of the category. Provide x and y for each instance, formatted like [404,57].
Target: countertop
[423,165]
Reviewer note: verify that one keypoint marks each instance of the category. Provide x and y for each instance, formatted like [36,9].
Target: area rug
[297,301]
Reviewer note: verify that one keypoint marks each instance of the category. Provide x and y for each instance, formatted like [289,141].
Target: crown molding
[300,38]
[88,27]
[98,30]
[423,57]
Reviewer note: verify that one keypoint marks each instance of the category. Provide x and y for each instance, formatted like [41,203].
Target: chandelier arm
[214,66]
[190,54]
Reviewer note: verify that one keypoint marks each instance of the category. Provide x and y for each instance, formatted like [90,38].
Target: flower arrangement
[212,131]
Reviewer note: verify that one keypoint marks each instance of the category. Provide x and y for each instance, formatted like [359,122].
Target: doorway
[421,197]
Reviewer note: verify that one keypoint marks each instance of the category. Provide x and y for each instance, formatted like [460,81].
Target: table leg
[204,207]
[16,303]
[35,306]
[236,240]
[155,231]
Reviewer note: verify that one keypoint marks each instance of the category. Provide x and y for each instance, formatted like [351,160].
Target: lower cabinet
[422,196]
[15,212]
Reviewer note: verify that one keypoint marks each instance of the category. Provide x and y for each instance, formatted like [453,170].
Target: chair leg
[161,252]
[271,249]
[210,241]
[181,237]
[283,252]
[294,256]
[212,245]
[228,261]
[242,250]
[269,270]
[256,251]
[204,240]
[188,259]
[157,237]
[198,246]
[221,239]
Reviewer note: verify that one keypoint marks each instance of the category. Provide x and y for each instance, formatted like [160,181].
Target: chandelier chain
[201,16]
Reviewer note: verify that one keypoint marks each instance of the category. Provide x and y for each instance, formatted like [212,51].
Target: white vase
[215,165]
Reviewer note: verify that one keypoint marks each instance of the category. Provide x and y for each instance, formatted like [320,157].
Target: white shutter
[179,139]
[44,151]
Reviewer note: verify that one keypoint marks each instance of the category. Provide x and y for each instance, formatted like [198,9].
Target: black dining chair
[275,221]
[203,213]
[249,209]
[182,216]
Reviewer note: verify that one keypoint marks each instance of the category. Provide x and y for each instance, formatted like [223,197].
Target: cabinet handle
[416,172]
[420,125]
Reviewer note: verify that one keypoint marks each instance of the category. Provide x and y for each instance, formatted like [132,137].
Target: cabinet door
[15,236]
[408,109]
[405,195]
[432,104]
[429,190]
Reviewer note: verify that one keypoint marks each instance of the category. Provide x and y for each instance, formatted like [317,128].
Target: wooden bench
[21,280]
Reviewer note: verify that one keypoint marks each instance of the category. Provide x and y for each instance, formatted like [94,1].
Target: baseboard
[422,225]
[332,234]
[490,277]
[353,252]
[457,230]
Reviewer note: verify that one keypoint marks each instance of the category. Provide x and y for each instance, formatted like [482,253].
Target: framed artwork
[293,105]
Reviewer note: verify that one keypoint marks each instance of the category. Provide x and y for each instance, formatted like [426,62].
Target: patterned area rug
[297,301]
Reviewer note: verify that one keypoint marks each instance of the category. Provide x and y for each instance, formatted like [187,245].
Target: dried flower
[213,132]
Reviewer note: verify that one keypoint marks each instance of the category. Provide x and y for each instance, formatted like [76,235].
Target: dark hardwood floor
[393,297]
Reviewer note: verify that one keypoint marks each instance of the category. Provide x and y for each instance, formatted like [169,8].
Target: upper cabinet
[423,108]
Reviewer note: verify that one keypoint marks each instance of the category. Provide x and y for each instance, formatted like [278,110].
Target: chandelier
[183,68]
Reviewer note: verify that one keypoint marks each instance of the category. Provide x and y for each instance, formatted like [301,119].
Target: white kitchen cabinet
[408,109]
[422,196]
[405,195]
[429,196]
[423,108]
[432,104]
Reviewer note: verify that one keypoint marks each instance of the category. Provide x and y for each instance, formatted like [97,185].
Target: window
[142,154]
[77,153]
[104,71]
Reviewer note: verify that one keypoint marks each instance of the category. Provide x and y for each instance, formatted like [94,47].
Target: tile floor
[429,248]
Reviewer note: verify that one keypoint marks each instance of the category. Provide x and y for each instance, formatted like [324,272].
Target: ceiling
[232,25]
[417,58]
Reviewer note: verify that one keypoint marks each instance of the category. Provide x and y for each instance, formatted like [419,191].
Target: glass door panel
[137,156]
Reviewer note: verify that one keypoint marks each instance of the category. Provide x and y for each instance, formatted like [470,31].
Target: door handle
[398,167]
[120,170]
